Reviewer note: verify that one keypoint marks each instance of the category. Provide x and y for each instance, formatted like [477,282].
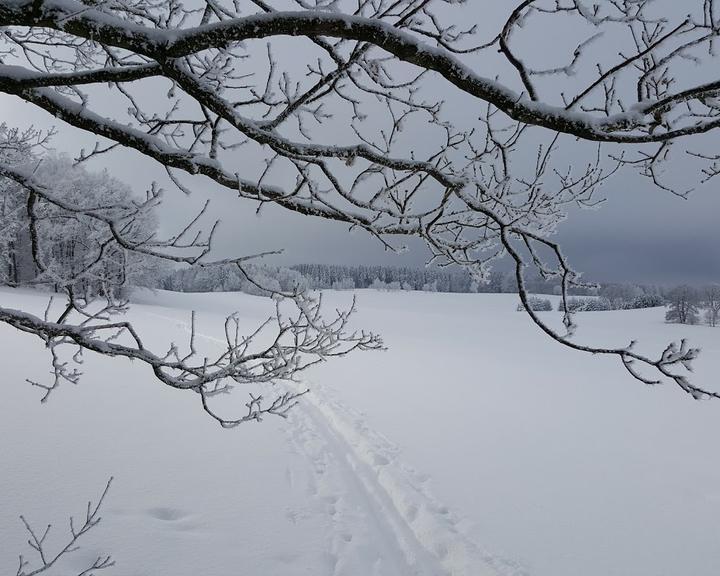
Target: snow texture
[460,446]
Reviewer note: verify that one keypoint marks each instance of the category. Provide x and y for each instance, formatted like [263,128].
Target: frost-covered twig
[46,559]
[363,131]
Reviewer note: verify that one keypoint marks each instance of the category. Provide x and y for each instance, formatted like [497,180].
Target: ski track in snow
[385,521]
[367,477]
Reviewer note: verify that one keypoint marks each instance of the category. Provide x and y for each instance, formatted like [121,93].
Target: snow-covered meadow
[473,446]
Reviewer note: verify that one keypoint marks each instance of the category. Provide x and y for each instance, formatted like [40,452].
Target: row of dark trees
[346,277]
[343,277]
[328,277]
[596,303]
[251,278]
[323,276]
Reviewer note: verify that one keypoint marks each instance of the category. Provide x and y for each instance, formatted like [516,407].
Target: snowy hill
[473,446]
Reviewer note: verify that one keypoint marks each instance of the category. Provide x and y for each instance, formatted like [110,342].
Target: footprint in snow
[179,520]
[380,460]
[166,514]
[411,513]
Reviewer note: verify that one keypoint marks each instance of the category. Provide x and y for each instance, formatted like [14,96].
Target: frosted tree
[70,250]
[86,235]
[711,302]
[683,305]
[15,149]
[375,113]
[46,556]
[344,284]
[619,295]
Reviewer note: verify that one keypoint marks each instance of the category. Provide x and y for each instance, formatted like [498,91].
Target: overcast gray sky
[640,234]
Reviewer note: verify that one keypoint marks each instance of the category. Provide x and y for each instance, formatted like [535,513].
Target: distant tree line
[41,245]
[314,277]
[256,279]
[596,303]
[329,277]
[341,277]
[685,304]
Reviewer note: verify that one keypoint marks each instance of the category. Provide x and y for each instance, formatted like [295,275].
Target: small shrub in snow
[645,301]
[537,305]
[587,305]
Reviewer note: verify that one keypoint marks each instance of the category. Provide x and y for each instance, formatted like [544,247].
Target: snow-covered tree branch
[349,111]
[43,559]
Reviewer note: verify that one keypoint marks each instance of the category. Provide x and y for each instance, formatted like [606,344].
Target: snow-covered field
[473,446]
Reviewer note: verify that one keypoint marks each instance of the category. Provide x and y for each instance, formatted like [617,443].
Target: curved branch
[161,45]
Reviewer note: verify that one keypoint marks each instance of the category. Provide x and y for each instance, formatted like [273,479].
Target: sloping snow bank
[473,433]
[559,459]
[317,494]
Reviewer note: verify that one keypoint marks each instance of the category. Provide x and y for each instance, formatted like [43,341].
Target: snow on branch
[295,337]
[45,559]
[382,115]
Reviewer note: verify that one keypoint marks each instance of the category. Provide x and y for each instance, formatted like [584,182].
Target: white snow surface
[473,446]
